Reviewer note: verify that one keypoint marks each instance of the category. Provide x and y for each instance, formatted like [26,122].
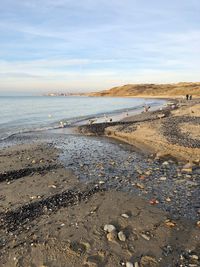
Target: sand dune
[144,90]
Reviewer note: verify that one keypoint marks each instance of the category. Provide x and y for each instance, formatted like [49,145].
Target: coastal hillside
[163,90]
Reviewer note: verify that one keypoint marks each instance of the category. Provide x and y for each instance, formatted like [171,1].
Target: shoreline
[147,130]
[59,190]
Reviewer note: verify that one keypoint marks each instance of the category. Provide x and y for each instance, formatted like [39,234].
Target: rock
[187,167]
[194,257]
[121,236]
[146,237]
[153,201]
[161,155]
[136,264]
[52,186]
[198,224]
[147,261]
[163,178]
[129,264]
[124,215]
[109,228]
[140,186]
[165,163]
[170,223]
[112,236]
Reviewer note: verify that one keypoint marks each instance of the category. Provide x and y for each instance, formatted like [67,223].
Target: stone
[109,228]
[136,264]
[129,264]
[112,236]
[124,215]
[187,167]
[147,261]
[146,237]
[140,186]
[165,163]
[194,257]
[121,236]
[163,178]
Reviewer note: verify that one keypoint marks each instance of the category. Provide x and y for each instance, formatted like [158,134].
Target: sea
[21,114]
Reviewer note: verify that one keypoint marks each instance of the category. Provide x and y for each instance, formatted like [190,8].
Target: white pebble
[109,228]
[129,264]
[121,236]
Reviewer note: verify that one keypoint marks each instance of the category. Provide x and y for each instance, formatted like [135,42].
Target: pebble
[121,236]
[165,163]
[109,228]
[194,257]
[146,237]
[124,215]
[129,264]
[163,178]
[112,236]
[148,261]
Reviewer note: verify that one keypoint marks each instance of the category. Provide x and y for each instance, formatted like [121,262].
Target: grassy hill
[151,90]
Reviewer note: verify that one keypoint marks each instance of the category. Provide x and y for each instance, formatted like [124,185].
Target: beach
[106,194]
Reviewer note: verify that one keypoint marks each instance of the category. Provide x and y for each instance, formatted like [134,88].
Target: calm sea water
[30,113]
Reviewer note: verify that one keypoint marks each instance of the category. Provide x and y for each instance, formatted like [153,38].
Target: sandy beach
[88,200]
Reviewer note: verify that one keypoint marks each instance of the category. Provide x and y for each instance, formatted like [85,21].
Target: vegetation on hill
[178,89]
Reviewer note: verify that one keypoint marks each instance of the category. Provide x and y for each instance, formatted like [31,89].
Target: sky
[89,45]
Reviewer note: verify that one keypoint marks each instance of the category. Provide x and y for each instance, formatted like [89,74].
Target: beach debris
[121,236]
[136,264]
[109,228]
[153,201]
[101,182]
[34,161]
[129,264]
[148,261]
[170,223]
[124,215]
[168,199]
[198,224]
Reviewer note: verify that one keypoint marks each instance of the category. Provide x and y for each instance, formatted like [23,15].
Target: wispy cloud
[97,43]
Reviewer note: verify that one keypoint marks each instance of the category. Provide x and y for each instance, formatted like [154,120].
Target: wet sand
[58,191]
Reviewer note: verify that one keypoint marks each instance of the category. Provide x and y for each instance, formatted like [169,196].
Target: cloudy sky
[95,44]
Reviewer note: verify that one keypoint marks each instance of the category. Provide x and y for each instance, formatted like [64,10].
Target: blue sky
[89,45]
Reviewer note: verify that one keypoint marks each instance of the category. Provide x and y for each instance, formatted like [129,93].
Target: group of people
[188,97]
